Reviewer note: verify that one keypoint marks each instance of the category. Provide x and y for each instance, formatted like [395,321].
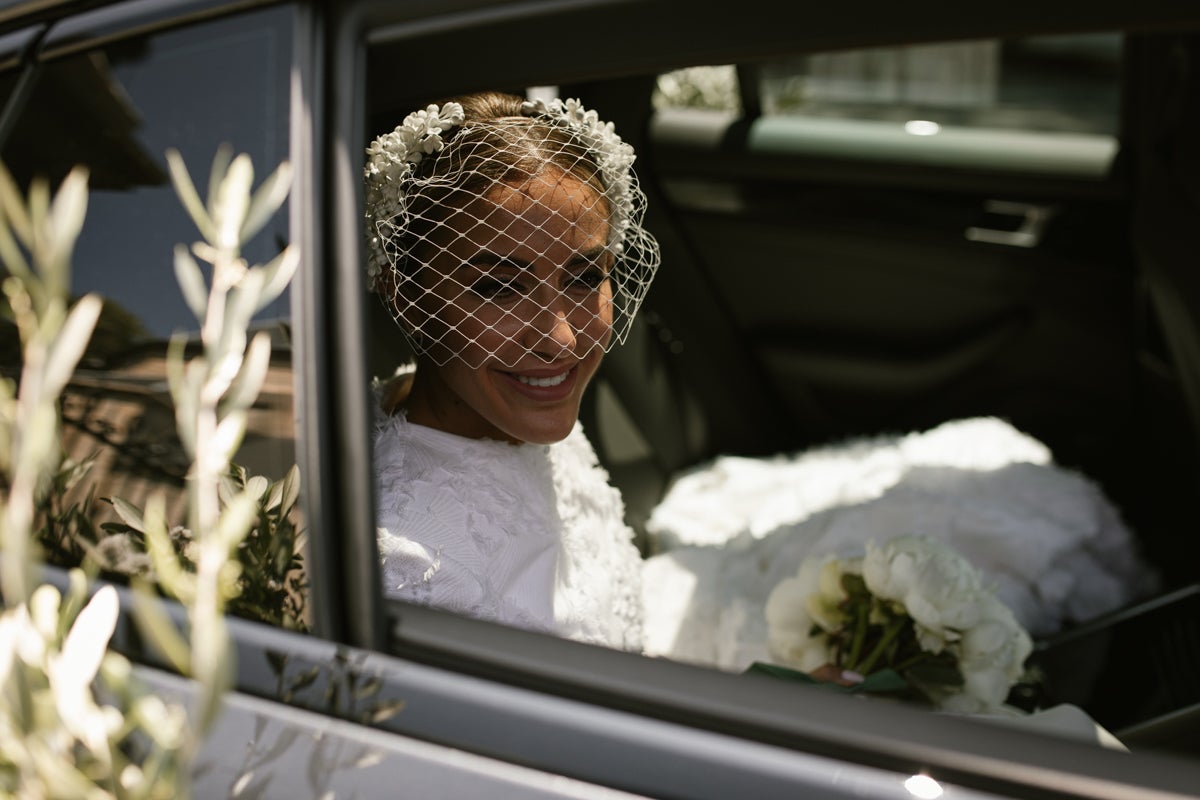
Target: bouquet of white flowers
[912,606]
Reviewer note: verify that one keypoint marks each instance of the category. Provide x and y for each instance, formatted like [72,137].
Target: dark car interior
[824,282]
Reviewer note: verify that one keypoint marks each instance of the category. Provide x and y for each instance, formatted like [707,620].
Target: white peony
[937,587]
[991,655]
[789,623]
[910,588]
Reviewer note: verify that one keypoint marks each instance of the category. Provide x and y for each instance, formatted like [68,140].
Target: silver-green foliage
[73,722]
[212,393]
[56,738]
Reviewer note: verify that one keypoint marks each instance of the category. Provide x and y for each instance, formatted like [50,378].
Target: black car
[830,270]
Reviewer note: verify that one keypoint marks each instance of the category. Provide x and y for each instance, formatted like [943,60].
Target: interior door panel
[844,285]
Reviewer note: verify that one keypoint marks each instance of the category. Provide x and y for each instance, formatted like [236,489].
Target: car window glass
[117,110]
[1065,84]
[712,88]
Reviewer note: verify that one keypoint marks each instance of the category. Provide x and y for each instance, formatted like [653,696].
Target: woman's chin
[541,430]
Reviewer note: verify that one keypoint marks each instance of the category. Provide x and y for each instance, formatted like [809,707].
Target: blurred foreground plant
[56,739]
[72,720]
[212,393]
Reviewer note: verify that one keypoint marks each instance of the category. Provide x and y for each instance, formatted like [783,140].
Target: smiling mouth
[553,380]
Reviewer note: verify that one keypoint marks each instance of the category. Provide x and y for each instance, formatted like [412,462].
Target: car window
[854,302]
[1066,83]
[984,103]
[116,110]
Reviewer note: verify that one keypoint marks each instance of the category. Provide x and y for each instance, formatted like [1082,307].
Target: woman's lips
[544,384]
[553,380]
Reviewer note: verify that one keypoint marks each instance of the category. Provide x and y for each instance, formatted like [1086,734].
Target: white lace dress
[525,535]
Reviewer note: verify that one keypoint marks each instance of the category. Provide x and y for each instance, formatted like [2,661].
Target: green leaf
[291,489]
[783,673]
[39,209]
[72,601]
[937,671]
[70,343]
[239,309]
[186,190]
[191,282]
[277,275]
[171,576]
[274,497]
[369,688]
[66,215]
[267,200]
[257,487]
[130,514]
[249,381]
[13,205]
[231,203]
[228,435]
[216,176]
[236,520]
[277,660]
[156,626]
[215,670]
[176,366]
[11,253]
[228,487]
[39,440]
[386,710]
[883,681]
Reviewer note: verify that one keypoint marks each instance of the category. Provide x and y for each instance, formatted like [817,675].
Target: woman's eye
[495,288]
[589,279]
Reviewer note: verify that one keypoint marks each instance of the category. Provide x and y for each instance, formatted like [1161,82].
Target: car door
[804,297]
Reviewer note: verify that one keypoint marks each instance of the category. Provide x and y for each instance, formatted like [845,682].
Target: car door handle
[1028,232]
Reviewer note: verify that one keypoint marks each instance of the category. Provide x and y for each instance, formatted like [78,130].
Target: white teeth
[543,382]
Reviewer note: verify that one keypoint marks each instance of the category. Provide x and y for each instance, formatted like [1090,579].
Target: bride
[506,239]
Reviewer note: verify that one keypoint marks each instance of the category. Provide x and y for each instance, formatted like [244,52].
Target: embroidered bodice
[525,535]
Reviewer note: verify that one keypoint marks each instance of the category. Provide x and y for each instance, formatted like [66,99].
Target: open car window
[834,270]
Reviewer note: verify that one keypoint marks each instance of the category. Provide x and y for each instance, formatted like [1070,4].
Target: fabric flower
[391,158]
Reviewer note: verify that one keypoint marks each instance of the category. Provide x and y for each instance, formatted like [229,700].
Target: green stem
[860,634]
[889,634]
[912,661]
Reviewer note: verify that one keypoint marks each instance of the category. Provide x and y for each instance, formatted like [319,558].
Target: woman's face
[519,305]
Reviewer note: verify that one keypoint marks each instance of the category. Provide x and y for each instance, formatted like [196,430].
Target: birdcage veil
[485,235]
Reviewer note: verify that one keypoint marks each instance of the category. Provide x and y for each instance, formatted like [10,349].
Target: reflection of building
[124,416]
[80,114]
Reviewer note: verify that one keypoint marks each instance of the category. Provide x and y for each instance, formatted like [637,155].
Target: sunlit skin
[521,291]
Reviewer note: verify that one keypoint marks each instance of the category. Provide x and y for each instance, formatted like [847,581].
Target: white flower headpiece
[393,181]
[391,159]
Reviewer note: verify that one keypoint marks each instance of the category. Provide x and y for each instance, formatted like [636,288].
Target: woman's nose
[552,334]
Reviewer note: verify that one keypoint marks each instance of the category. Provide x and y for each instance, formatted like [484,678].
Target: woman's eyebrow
[486,258]
[588,256]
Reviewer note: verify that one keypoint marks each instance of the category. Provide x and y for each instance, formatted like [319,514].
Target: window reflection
[116,111]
